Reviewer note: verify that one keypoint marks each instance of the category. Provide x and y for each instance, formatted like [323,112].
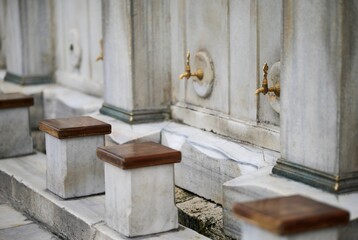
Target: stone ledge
[22,182]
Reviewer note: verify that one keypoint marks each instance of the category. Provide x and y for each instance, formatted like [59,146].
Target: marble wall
[239,36]
[78,28]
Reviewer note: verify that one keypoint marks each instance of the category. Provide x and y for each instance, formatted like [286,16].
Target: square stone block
[140,188]
[15,136]
[73,169]
[289,218]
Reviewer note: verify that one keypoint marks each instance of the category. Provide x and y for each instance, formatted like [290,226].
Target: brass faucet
[265,89]
[100,57]
[187,74]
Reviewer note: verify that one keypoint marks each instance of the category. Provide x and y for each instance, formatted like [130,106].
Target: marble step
[16,226]
[22,182]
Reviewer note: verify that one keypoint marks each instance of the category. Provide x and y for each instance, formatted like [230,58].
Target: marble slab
[23,179]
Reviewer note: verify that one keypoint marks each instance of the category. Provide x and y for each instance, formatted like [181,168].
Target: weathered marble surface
[261,184]
[29,54]
[125,133]
[261,135]
[137,70]
[52,101]
[36,91]
[28,232]
[319,84]
[199,214]
[251,232]
[23,179]
[60,102]
[208,161]
[140,201]
[15,137]
[16,226]
[78,34]
[10,218]
[73,169]
[247,34]
[55,101]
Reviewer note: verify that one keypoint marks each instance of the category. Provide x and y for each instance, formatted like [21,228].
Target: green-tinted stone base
[343,183]
[28,80]
[136,116]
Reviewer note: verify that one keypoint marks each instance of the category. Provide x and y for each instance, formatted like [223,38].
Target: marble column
[29,41]
[136,59]
[319,100]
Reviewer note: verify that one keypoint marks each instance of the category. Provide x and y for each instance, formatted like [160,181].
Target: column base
[343,183]
[135,116]
[28,80]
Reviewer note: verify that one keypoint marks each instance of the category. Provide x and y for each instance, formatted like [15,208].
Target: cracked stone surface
[200,214]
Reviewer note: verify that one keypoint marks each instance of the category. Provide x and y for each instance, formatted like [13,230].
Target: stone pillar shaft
[29,42]
[136,59]
[319,100]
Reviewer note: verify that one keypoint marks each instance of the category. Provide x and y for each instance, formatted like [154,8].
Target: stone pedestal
[136,60]
[29,42]
[15,137]
[140,188]
[72,166]
[290,218]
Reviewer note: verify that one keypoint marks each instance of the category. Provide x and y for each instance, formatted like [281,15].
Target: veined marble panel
[208,160]
[239,37]
[213,121]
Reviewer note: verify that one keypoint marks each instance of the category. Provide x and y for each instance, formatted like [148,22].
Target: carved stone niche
[204,87]
[74,50]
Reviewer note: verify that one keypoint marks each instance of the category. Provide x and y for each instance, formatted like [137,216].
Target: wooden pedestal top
[289,215]
[15,100]
[138,155]
[74,127]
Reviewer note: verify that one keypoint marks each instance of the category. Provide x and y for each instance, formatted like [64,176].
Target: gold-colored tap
[100,57]
[264,89]
[187,74]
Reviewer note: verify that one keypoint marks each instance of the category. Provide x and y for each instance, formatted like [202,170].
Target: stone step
[16,226]
[23,183]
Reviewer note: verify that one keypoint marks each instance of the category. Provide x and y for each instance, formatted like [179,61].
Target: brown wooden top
[138,155]
[293,214]
[15,100]
[74,127]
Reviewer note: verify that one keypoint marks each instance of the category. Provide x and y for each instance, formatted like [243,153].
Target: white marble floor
[16,226]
